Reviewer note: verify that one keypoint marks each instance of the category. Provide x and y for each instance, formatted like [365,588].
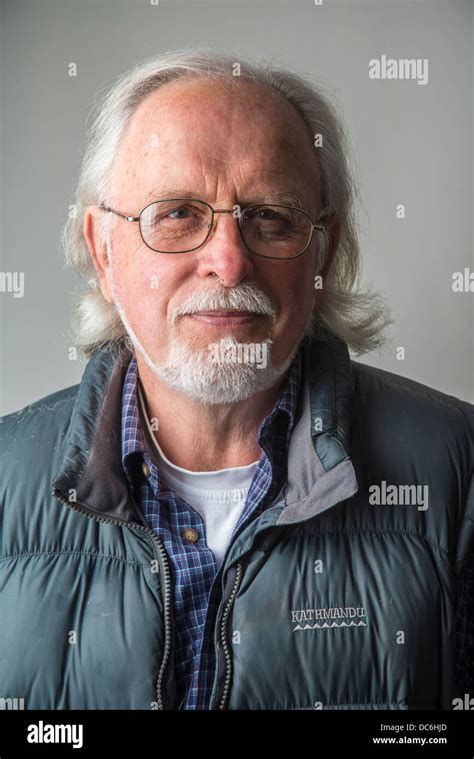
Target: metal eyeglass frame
[211,225]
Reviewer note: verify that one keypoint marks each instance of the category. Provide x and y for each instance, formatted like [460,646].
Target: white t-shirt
[218,496]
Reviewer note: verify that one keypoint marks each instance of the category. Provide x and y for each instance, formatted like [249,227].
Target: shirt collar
[131,433]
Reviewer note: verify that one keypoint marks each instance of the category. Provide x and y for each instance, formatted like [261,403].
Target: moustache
[245,298]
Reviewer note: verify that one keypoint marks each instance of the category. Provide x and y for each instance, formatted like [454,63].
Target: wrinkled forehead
[200,126]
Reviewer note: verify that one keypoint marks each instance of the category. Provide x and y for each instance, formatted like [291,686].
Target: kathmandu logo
[324,619]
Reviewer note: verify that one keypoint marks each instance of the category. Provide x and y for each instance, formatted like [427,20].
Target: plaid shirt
[197,582]
[196,579]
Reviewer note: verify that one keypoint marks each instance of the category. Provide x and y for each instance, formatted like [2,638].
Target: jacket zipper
[223,636]
[166,580]
[224,651]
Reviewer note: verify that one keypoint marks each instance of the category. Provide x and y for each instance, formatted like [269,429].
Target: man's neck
[202,437]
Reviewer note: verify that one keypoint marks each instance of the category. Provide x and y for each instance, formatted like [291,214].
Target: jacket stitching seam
[362,703]
[416,391]
[374,532]
[72,553]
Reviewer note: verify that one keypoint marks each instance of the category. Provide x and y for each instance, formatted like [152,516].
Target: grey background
[410,144]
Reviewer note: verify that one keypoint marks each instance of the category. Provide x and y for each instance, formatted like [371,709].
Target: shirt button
[190,534]
[146,470]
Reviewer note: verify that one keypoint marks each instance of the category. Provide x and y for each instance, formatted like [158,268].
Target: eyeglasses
[181,225]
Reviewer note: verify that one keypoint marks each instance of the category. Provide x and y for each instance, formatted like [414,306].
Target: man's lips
[224,317]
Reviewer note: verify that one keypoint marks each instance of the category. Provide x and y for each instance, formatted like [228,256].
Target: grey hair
[358,318]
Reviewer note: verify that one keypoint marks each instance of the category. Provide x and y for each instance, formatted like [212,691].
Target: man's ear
[333,225]
[92,230]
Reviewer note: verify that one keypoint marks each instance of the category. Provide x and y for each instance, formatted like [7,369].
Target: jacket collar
[320,472]
[91,471]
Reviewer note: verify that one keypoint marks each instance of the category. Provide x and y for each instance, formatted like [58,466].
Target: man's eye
[175,214]
[178,213]
[269,214]
[271,217]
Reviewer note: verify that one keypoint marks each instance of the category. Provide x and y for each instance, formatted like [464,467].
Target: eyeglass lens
[175,226]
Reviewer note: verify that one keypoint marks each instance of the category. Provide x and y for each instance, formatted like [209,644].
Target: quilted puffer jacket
[342,594]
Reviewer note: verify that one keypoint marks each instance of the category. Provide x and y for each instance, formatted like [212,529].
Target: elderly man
[228,512]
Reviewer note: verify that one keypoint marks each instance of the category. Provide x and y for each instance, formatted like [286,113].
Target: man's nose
[225,252]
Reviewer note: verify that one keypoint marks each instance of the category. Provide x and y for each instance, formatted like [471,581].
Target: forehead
[200,128]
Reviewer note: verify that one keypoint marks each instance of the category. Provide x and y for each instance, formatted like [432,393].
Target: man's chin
[224,372]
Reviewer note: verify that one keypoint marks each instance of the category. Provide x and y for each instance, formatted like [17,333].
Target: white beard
[196,374]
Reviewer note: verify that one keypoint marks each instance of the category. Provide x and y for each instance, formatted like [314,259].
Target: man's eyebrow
[171,193]
[278,198]
[282,198]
